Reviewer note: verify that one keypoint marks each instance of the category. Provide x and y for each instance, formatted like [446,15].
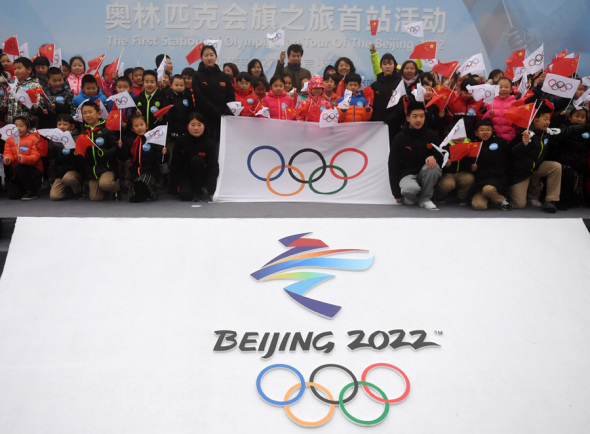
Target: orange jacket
[28,148]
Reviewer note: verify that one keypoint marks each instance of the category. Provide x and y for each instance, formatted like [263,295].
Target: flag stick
[478,152]
[165,141]
[120,125]
[534,112]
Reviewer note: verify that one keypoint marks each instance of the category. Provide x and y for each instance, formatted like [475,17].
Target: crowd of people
[545,165]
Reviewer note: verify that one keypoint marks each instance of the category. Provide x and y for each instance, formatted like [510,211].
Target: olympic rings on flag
[559,85]
[328,398]
[472,63]
[414,29]
[330,117]
[154,134]
[312,178]
[121,100]
[537,60]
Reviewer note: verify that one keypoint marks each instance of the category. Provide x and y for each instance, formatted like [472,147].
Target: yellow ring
[302,422]
[283,194]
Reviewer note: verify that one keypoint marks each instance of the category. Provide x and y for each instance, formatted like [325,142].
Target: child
[169,67]
[529,163]
[496,110]
[289,89]
[99,160]
[150,100]
[261,87]
[77,71]
[311,109]
[90,91]
[146,159]
[245,94]
[359,109]
[303,92]
[572,153]
[491,169]
[23,71]
[194,164]
[60,98]
[183,106]
[69,166]
[41,65]
[65,69]
[122,84]
[137,80]
[187,74]
[277,100]
[330,84]
[466,108]
[7,64]
[165,83]
[24,158]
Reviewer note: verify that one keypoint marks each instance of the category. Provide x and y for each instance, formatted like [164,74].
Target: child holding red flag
[24,158]
[490,169]
[359,109]
[495,111]
[100,157]
[59,97]
[277,100]
[245,94]
[90,90]
[150,100]
[23,71]
[466,108]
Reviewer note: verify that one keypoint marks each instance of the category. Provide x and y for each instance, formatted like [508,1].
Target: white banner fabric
[268,160]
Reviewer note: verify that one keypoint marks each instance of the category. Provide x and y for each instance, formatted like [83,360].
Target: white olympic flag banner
[163,348]
[301,162]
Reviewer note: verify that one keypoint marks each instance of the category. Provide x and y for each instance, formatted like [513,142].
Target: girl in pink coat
[277,101]
[496,110]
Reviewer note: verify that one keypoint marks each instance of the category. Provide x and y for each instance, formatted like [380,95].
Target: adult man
[293,68]
[414,164]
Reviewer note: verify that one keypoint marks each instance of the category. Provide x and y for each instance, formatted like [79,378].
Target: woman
[410,75]
[213,89]
[255,69]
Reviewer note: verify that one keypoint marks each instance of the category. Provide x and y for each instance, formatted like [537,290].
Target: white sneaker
[535,203]
[408,201]
[429,205]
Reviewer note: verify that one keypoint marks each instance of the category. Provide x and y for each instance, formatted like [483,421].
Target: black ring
[326,400]
[303,181]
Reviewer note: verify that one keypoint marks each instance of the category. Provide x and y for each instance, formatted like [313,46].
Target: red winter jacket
[28,148]
[277,104]
[311,109]
[248,99]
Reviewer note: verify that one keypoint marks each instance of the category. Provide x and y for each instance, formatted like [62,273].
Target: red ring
[399,371]
[353,176]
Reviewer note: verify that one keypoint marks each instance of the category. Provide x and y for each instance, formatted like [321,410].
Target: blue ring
[259,177]
[272,401]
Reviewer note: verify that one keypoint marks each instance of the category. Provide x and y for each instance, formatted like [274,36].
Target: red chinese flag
[11,46]
[195,54]
[374,27]
[445,69]
[437,100]
[369,94]
[163,111]
[83,142]
[47,51]
[565,67]
[112,68]
[446,93]
[35,56]
[113,121]
[427,50]
[290,113]
[516,59]
[521,101]
[562,54]
[520,115]
[98,79]
[461,150]
[34,94]
[95,63]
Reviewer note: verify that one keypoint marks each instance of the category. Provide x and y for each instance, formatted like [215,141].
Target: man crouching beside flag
[414,164]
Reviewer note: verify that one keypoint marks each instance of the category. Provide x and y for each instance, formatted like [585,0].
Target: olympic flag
[560,86]
[344,164]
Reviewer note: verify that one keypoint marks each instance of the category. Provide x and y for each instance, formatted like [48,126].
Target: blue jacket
[79,99]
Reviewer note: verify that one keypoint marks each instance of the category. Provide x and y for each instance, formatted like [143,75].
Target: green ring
[323,167]
[354,419]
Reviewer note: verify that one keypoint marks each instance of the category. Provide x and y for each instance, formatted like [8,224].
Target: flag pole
[165,142]
[480,146]
[120,124]
[534,112]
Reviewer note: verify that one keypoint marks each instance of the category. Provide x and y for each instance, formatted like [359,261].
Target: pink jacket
[277,104]
[75,82]
[501,126]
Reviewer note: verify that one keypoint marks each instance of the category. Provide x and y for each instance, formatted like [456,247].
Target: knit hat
[316,82]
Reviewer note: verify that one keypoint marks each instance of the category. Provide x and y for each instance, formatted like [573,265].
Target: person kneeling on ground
[414,164]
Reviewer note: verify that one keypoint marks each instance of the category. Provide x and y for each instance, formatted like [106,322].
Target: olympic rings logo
[537,60]
[121,100]
[414,29]
[472,63]
[275,38]
[54,138]
[487,94]
[155,134]
[329,399]
[301,179]
[22,99]
[559,85]
[330,117]
[12,132]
